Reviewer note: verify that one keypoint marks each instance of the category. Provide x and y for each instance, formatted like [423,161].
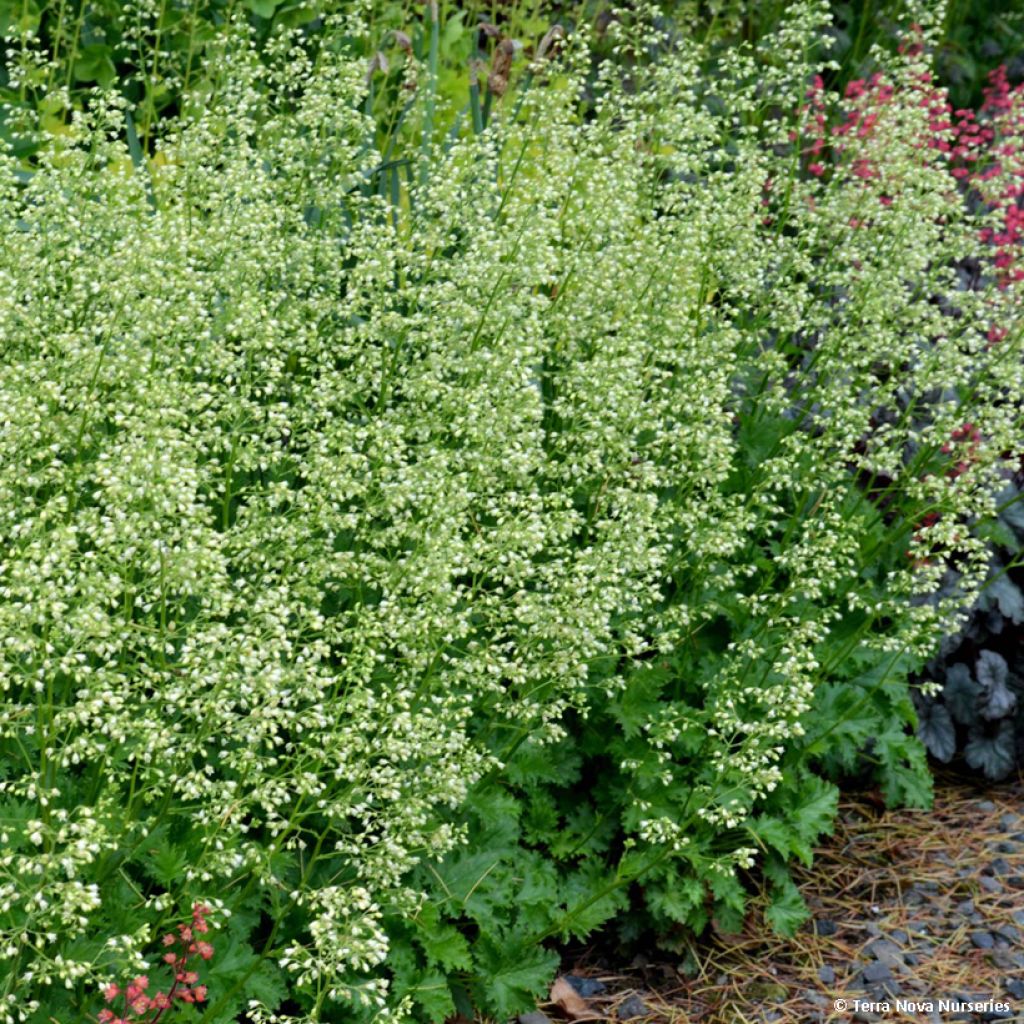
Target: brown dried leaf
[378,62]
[501,65]
[554,35]
[569,1001]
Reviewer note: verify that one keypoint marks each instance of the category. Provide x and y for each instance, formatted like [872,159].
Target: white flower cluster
[311,508]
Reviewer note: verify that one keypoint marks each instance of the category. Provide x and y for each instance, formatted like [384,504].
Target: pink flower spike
[111,992]
[205,950]
[816,169]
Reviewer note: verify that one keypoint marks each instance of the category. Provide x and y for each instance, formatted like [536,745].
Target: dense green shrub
[417,568]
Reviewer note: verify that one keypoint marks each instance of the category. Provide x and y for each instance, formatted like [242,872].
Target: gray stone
[634,1006]
[826,975]
[983,940]
[533,1017]
[884,990]
[1008,960]
[966,908]
[899,935]
[986,805]
[1000,866]
[886,951]
[990,884]
[823,926]
[876,971]
[1015,986]
[586,987]
[1009,821]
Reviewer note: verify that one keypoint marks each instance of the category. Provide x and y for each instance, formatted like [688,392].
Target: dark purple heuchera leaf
[1008,597]
[992,673]
[936,731]
[994,755]
[1012,515]
[961,693]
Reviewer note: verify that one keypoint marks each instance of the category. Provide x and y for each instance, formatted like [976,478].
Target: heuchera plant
[445,542]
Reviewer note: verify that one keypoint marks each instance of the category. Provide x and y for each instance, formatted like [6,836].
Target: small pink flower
[111,992]
[205,950]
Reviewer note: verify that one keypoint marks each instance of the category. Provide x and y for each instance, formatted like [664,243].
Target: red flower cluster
[988,156]
[865,99]
[984,149]
[141,1008]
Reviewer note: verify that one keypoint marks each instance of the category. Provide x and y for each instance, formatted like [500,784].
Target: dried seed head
[501,66]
